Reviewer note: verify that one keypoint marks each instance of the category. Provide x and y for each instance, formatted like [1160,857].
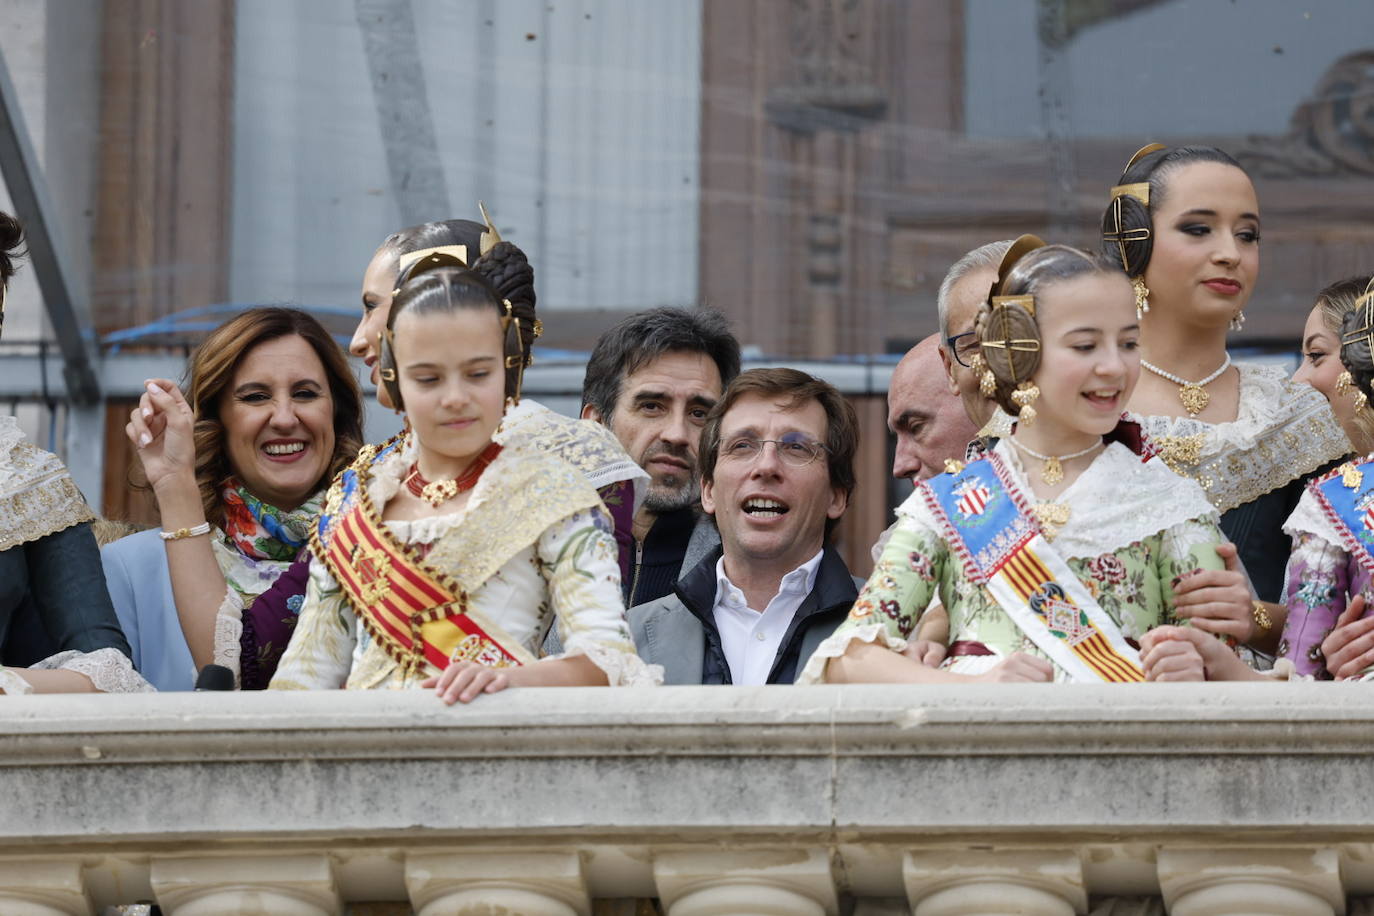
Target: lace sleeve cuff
[13,684]
[228,645]
[838,643]
[622,669]
[109,670]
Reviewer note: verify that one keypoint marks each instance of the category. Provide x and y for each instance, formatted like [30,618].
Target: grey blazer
[667,633]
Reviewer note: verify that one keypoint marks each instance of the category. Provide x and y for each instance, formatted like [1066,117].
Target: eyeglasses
[794,449]
[963,352]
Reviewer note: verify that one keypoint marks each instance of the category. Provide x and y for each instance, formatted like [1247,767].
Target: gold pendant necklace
[1052,471]
[1192,395]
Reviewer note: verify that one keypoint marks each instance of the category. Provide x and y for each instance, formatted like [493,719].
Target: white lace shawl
[1283,430]
[1117,501]
[37,495]
[585,444]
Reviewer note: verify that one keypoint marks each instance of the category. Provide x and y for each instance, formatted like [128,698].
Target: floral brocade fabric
[1133,583]
[1321,579]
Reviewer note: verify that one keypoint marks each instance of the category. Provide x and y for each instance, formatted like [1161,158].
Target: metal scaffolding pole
[70,319]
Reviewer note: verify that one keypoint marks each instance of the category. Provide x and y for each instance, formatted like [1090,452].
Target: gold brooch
[1180,452]
[1052,517]
[1351,476]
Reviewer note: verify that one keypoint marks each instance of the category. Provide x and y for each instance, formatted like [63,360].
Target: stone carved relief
[1331,132]
[832,85]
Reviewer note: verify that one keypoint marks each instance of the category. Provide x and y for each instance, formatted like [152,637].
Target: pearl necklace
[1191,394]
[1052,471]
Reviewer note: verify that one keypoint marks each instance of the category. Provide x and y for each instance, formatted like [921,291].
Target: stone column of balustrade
[42,888]
[746,882]
[1251,882]
[994,882]
[532,884]
[284,885]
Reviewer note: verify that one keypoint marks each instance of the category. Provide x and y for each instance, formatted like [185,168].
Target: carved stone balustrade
[1212,799]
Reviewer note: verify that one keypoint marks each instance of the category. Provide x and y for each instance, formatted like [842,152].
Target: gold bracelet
[182,533]
[1263,622]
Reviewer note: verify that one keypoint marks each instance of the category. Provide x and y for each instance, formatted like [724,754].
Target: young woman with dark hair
[442,558]
[1184,224]
[1056,553]
[49,562]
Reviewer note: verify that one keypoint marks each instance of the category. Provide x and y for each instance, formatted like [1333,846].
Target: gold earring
[1238,321]
[1345,382]
[987,384]
[1024,395]
[1142,297]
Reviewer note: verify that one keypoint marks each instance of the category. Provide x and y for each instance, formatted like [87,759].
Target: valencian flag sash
[415,613]
[989,526]
[1346,497]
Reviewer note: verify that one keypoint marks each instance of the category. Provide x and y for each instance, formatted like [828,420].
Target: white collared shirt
[749,639]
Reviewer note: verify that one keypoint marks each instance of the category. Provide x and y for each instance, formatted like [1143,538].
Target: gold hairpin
[1145,150]
[408,259]
[1120,235]
[490,237]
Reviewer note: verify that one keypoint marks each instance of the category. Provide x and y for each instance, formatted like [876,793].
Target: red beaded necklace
[438,492]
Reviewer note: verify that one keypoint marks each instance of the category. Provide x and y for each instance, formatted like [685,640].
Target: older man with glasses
[777,468]
[963,290]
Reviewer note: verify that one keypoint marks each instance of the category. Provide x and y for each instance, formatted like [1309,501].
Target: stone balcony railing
[1217,799]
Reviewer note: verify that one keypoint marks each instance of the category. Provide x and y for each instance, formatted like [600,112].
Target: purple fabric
[268,624]
[1321,580]
[619,498]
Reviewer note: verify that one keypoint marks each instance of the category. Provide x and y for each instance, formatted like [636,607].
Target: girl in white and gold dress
[442,559]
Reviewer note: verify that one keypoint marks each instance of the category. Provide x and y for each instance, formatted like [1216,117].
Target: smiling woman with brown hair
[239,471]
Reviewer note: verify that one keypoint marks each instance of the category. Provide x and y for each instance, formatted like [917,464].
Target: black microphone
[215,677]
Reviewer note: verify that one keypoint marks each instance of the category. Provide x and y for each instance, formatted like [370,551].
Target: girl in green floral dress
[1058,551]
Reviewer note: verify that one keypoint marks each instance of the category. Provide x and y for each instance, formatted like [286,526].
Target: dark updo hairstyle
[1007,328]
[440,283]
[503,264]
[11,250]
[1130,244]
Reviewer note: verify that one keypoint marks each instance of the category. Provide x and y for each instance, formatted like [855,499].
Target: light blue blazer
[141,588]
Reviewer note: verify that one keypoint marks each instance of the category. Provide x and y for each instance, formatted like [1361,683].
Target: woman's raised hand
[160,429]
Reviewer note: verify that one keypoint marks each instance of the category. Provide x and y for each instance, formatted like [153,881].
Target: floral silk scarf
[260,541]
[265,532]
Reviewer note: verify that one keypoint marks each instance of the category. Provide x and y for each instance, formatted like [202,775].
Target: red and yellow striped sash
[1027,576]
[412,611]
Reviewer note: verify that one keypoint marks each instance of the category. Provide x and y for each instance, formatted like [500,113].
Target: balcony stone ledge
[814,795]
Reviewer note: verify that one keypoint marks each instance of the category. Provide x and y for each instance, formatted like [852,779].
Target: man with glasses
[962,292]
[777,471]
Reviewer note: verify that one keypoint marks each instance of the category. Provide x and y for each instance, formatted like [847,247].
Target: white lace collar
[1117,501]
[1282,431]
